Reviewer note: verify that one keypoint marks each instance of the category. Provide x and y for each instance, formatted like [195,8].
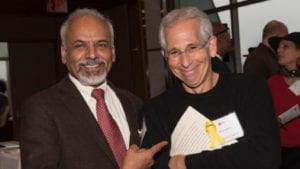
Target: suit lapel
[130,113]
[80,111]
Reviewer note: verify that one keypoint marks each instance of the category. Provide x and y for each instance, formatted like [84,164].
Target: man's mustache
[91,62]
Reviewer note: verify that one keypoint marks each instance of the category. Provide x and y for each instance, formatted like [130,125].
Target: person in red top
[285,88]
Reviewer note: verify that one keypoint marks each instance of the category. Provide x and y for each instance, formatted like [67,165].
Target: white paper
[10,158]
[9,144]
[295,87]
[290,114]
[190,137]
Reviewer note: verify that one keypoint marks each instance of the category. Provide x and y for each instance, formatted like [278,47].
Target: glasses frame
[188,49]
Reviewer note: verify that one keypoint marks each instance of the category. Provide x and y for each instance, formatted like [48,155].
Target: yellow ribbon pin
[211,129]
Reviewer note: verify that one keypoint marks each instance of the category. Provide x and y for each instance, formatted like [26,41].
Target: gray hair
[85,12]
[205,27]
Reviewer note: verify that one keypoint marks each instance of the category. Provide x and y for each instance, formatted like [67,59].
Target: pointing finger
[157,147]
[134,147]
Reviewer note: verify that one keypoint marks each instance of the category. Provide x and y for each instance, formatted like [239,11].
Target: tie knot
[98,94]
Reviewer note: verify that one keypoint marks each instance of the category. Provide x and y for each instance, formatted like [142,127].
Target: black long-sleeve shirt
[248,96]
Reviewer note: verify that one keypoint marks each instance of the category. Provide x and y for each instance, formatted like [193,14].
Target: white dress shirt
[112,102]
[218,56]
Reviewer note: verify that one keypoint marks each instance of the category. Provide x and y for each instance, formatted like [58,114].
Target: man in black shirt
[188,44]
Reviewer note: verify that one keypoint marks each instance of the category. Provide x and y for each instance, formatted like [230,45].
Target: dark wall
[121,73]
[29,28]
[33,53]
[31,69]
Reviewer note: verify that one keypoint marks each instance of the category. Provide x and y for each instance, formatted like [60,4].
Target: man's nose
[92,52]
[279,50]
[185,59]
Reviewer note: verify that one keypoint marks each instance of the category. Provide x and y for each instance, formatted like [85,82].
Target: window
[4,61]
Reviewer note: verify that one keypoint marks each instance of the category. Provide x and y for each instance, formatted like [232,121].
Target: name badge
[290,114]
[295,88]
[229,127]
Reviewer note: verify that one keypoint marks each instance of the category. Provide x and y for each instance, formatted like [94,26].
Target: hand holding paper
[195,133]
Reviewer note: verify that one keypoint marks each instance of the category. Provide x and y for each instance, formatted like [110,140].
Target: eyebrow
[82,41]
[190,44]
[100,41]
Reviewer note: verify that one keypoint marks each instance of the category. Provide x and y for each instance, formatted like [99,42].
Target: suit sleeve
[157,131]
[38,137]
[255,66]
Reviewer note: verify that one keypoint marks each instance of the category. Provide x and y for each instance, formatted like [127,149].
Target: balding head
[83,12]
[274,28]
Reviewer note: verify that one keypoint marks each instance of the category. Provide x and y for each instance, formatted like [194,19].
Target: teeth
[91,66]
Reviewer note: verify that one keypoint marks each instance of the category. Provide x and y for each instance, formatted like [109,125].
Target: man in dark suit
[66,126]
[224,46]
[263,59]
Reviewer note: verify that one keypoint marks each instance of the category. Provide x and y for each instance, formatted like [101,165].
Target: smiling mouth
[188,73]
[92,67]
[187,70]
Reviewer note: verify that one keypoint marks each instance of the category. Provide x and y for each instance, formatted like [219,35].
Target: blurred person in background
[263,59]
[224,46]
[285,88]
[6,131]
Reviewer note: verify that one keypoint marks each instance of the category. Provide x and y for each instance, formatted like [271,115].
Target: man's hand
[177,162]
[137,158]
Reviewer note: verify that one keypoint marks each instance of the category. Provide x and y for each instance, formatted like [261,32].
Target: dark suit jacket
[262,61]
[58,131]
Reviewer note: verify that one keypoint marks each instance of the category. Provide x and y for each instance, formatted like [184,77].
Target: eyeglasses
[190,50]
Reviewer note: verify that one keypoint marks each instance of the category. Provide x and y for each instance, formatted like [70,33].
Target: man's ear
[63,53]
[212,46]
[163,53]
[113,54]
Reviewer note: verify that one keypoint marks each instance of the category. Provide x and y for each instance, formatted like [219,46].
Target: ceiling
[39,6]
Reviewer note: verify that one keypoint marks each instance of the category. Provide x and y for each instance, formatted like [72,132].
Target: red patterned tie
[109,127]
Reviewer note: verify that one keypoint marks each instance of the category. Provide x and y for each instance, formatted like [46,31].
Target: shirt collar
[87,90]
[218,56]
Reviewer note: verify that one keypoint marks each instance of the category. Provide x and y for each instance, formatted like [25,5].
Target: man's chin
[92,80]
